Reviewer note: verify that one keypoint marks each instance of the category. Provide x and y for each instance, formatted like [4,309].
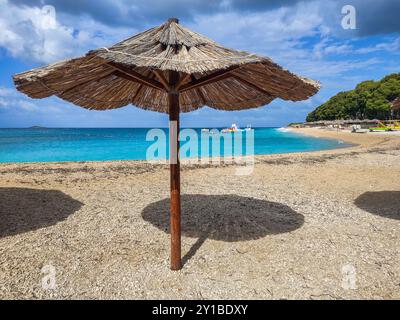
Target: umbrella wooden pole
[175,209]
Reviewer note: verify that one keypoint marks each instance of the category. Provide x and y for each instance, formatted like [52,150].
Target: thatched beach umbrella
[167,69]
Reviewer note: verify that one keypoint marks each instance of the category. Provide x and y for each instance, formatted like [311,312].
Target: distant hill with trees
[369,100]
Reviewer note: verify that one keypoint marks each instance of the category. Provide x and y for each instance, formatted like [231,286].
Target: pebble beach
[317,225]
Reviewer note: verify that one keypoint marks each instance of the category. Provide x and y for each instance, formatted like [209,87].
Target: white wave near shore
[284,129]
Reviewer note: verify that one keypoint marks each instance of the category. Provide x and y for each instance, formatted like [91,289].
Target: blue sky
[305,37]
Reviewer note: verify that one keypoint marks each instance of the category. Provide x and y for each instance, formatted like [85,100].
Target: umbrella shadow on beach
[225,217]
[382,203]
[23,210]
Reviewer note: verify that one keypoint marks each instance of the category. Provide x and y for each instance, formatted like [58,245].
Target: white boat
[208,131]
[233,128]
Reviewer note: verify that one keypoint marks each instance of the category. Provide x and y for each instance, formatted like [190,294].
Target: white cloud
[11,99]
[36,34]
[392,46]
[27,105]
[298,37]
[30,33]
[328,46]
[264,31]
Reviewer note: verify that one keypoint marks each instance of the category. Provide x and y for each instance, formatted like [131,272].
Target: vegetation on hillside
[369,100]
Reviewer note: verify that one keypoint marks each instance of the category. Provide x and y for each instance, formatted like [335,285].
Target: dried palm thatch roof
[134,71]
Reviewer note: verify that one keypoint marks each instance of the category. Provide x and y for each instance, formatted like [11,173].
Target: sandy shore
[319,225]
[360,139]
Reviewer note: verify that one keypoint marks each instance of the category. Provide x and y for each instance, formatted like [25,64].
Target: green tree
[369,100]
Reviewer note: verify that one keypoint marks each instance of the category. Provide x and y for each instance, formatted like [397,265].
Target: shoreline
[353,141]
[357,139]
[88,170]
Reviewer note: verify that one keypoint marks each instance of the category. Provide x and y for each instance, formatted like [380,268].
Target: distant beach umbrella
[396,104]
[168,69]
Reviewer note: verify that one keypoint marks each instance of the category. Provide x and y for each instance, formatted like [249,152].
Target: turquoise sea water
[49,145]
